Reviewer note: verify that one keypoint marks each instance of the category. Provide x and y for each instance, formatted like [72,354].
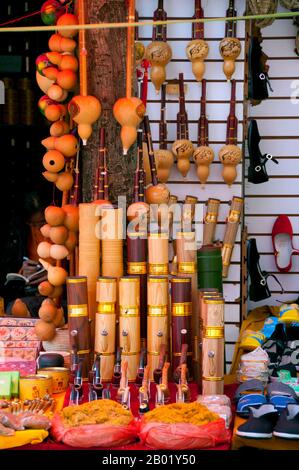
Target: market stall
[132,327]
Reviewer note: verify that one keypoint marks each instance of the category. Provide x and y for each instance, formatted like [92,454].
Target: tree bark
[106,58]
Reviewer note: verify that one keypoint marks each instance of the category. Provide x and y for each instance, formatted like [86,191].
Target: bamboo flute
[78,322]
[188,213]
[181,315]
[129,322]
[186,258]
[230,234]
[157,320]
[105,324]
[210,221]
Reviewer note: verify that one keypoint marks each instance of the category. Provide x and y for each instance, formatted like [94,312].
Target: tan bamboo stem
[130,49]
[82,49]
[230,235]
[129,322]
[210,221]
[105,325]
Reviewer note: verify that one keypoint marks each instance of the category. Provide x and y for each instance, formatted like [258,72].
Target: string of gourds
[57,77]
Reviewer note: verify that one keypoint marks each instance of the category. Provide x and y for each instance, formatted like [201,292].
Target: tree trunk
[106,56]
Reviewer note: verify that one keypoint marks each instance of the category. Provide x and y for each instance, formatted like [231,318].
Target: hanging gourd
[68,19]
[230,154]
[66,144]
[158,52]
[163,157]
[182,148]
[53,161]
[230,46]
[203,154]
[59,43]
[51,109]
[84,109]
[50,12]
[198,49]
[129,111]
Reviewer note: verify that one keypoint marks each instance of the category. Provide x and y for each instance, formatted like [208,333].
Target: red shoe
[282,239]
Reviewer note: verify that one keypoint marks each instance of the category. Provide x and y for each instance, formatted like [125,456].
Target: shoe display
[289,313]
[291,354]
[282,240]
[257,172]
[258,288]
[275,344]
[287,426]
[280,395]
[260,423]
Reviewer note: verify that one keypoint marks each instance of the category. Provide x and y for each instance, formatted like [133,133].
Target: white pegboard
[278,123]
[217,108]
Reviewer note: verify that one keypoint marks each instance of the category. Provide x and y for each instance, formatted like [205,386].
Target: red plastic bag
[93,435]
[183,436]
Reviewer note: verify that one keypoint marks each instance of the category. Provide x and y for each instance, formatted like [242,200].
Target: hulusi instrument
[129,322]
[78,320]
[163,157]
[198,49]
[182,148]
[158,52]
[230,46]
[181,319]
[105,325]
[203,154]
[230,154]
[157,319]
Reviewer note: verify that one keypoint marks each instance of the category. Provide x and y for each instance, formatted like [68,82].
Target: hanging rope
[23,29]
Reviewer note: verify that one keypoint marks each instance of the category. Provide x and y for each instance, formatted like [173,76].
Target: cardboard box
[17,333]
[21,344]
[5,385]
[23,367]
[13,321]
[18,354]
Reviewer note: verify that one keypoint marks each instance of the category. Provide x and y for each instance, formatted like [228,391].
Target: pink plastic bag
[93,435]
[183,436]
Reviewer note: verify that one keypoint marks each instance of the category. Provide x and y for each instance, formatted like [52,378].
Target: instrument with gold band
[213,346]
[158,254]
[78,321]
[137,266]
[105,325]
[129,322]
[157,319]
[181,316]
[186,257]
[210,221]
[230,234]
